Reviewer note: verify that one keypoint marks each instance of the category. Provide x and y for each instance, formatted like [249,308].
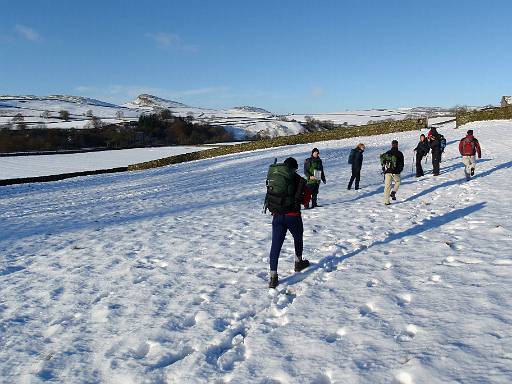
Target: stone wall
[504,113]
[303,138]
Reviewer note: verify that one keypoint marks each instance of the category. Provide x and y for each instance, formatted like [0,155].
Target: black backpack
[442,142]
[351,156]
[281,189]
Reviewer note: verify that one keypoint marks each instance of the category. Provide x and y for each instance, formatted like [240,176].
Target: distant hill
[243,121]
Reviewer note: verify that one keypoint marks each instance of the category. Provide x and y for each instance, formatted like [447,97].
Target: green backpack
[388,162]
[280,197]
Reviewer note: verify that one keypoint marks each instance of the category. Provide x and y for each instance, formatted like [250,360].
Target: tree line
[158,129]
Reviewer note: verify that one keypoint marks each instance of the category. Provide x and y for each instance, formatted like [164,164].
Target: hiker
[392,165]
[437,143]
[314,172]
[468,148]
[422,149]
[356,159]
[290,192]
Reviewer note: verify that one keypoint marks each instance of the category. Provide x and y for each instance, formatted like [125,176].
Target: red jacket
[469,146]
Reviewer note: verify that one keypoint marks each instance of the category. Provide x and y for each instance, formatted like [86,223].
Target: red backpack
[468,146]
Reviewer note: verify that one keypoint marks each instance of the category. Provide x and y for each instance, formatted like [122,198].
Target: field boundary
[379,128]
[61,176]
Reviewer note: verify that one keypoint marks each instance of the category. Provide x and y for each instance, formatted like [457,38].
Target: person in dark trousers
[434,139]
[393,172]
[289,220]
[468,148]
[357,163]
[314,172]
[422,149]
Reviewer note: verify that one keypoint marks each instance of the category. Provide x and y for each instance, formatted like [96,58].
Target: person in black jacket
[393,172]
[422,149]
[434,138]
[357,163]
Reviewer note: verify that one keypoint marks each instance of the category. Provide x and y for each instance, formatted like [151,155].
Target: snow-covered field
[160,276]
[12,167]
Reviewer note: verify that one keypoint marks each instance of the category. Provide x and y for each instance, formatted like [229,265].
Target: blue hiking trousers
[280,225]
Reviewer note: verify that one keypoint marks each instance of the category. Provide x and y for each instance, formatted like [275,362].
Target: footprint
[321,378]
[404,299]
[409,333]
[335,336]
[403,378]
[372,283]
[367,309]
[435,278]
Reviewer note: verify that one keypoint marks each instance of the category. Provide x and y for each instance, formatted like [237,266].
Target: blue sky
[285,56]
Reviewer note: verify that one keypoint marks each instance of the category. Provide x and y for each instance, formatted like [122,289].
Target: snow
[161,275]
[361,117]
[12,167]
[244,122]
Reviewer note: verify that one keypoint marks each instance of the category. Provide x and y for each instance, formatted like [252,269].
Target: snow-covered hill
[39,112]
[244,122]
[161,275]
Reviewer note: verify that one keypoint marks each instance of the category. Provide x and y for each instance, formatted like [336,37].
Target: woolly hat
[394,143]
[470,131]
[291,163]
[315,150]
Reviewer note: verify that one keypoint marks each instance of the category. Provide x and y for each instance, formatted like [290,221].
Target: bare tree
[45,114]
[119,114]
[19,120]
[96,122]
[89,113]
[64,115]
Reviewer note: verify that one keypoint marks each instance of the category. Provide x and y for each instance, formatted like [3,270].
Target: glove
[323,180]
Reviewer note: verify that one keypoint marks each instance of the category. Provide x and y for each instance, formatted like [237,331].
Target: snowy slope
[360,117]
[12,167]
[160,275]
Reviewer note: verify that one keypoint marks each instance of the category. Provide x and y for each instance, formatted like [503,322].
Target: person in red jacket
[468,148]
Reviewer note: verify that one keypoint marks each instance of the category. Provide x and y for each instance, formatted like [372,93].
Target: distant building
[506,101]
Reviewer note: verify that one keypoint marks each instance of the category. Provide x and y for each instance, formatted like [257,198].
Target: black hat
[291,163]
[394,143]
[315,150]
[470,131]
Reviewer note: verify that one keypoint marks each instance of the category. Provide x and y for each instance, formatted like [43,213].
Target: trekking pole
[412,165]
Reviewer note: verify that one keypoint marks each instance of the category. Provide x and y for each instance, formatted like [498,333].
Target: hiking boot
[393,195]
[472,171]
[300,265]
[273,281]
[387,203]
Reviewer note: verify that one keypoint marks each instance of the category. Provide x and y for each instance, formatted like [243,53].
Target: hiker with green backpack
[392,165]
[314,172]
[286,191]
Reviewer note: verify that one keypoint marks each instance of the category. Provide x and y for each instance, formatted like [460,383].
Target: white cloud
[171,41]
[28,33]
